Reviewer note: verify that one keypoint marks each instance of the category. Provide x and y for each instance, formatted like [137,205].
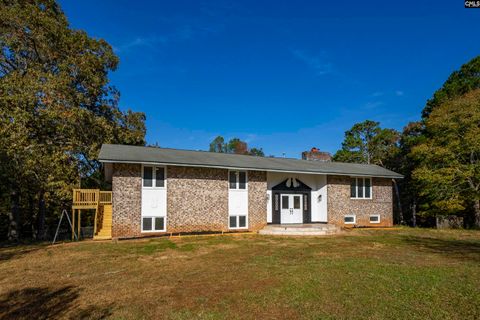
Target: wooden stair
[105,232]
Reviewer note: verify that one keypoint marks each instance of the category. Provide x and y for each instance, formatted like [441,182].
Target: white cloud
[141,42]
[182,33]
[318,64]
[372,104]
[399,93]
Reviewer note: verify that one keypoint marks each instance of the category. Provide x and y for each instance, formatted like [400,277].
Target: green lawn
[364,274]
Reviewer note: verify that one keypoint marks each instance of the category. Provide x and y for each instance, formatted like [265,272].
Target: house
[159,190]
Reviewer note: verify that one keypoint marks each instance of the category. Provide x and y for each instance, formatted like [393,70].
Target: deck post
[79,222]
[73,224]
[95,221]
[97,199]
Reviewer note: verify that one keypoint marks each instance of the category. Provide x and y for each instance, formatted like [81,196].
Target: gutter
[251,168]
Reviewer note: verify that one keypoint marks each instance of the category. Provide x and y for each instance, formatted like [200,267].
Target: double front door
[291,208]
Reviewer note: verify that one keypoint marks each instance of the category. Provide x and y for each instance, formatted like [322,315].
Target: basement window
[349,219]
[375,218]
[237,222]
[153,224]
[360,188]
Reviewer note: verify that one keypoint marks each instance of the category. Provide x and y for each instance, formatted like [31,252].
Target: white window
[374,218]
[361,188]
[153,224]
[237,180]
[349,219]
[237,222]
[153,177]
[237,200]
[154,199]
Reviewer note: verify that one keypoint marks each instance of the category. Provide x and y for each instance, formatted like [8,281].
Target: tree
[367,143]
[403,162]
[258,152]
[218,145]
[458,83]
[237,146]
[449,157]
[56,107]
[234,145]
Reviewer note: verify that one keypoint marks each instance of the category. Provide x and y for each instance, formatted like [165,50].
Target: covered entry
[291,202]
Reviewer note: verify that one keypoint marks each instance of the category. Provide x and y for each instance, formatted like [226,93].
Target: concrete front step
[300,230]
[296,233]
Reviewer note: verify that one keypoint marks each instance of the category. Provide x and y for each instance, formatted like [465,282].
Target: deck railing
[91,197]
[105,197]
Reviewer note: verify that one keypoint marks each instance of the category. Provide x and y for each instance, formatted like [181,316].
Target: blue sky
[282,75]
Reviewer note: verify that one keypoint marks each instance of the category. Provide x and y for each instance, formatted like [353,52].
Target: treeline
[234,145]
[56,109]
[438,155]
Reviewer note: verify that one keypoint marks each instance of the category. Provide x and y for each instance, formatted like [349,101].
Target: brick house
[158,190]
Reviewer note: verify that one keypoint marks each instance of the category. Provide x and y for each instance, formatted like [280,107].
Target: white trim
[350,216]
[374,215]
[246,169]
[153,224]
[237,183]
[238,192]
[154,176]
[291,207]
[238,221]
[356,188]
[161,190]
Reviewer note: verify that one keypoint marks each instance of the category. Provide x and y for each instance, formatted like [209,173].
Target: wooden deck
[101,202]
[90,198]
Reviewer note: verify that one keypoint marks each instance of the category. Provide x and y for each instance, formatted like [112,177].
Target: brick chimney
[316,155]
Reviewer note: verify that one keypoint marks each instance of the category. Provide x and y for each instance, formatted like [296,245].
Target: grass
[364,274]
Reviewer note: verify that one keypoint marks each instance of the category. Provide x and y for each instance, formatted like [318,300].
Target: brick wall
[197,199]
[126,192]
[340,204]
[257,200]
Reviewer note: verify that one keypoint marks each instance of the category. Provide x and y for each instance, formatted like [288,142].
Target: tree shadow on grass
[47,303]
[455,249]
[11,253]
[12,250]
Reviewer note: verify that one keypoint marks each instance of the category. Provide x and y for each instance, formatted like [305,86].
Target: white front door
[292,208]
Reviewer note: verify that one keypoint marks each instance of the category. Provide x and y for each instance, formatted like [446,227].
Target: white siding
[317,182]
[237,202]
[154,202]
[238,198]
[154,199]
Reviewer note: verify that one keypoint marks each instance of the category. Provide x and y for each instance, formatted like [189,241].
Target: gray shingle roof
[135,154]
